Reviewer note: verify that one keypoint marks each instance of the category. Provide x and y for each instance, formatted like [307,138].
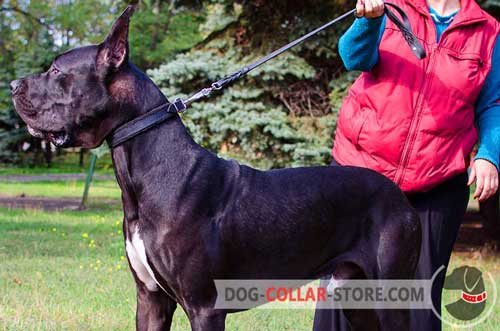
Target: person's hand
[486,176]
[370,8]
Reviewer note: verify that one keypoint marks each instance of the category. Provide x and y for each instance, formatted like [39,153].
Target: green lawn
[66,271]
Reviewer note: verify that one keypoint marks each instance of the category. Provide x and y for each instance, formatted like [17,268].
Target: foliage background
[281,115]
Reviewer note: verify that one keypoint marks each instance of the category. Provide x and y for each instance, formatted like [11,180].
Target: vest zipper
[415,121]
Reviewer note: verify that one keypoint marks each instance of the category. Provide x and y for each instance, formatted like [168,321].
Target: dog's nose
[15,85]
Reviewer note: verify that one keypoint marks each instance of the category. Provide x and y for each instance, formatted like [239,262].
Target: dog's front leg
[201,321]
[154,310]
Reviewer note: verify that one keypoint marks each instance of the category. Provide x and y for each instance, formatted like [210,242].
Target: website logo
[469,296]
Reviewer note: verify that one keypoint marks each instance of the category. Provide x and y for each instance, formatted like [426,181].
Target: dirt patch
[40,203]
[51,204]
[51,178]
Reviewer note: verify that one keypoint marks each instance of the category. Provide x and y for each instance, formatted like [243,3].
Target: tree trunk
[82,157]
[157,13]
[2,42]
[47,153]
[157,10]
[166,26]
[37,152]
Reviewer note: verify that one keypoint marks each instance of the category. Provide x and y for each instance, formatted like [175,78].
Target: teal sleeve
[488,112]
[358,47]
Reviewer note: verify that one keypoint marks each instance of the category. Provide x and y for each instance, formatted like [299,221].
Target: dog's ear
[113,52]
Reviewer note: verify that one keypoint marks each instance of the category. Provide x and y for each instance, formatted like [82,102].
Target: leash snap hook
[216,86]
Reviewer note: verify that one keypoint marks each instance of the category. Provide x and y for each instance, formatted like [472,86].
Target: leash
[163,112]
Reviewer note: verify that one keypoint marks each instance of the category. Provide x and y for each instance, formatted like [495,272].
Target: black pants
[441,212]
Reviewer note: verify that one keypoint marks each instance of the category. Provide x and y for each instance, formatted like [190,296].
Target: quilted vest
[413,120]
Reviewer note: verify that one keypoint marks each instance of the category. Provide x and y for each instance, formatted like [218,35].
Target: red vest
[413,120]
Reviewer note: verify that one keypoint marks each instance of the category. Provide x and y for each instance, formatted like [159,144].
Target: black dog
[191,217]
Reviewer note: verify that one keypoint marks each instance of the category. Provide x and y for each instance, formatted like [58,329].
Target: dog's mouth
[58,138]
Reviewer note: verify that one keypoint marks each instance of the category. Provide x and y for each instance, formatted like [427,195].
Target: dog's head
[465,278]
[74,102]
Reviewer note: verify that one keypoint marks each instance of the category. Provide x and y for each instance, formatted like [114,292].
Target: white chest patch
[137,255]
[335,283]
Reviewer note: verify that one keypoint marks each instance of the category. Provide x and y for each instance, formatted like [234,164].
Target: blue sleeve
[488,112]
[358,47]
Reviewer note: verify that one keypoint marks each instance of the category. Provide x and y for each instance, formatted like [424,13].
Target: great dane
[191,217]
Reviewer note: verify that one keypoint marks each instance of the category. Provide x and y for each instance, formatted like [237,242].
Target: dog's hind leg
[154,310]
[402,230]
[359,319]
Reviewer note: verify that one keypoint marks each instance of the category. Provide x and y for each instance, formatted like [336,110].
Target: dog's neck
[165,154]
[133,93]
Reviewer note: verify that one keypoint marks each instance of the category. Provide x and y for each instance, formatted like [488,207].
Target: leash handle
[405,27]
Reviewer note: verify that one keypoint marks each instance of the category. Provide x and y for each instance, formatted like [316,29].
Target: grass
[66,271]
[62,269]
[106,189]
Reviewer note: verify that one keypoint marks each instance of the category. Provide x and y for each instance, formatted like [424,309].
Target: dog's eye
[54,71]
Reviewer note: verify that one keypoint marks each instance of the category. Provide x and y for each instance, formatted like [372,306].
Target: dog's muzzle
[58,138]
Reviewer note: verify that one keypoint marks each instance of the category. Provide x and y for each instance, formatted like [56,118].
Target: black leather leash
[162,113]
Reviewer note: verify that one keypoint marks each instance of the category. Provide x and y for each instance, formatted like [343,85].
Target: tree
[492,6]
[32,33]
[22,32]
[283,113]
[163,28]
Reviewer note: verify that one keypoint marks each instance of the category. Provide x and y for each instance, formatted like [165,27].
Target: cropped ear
[113,52]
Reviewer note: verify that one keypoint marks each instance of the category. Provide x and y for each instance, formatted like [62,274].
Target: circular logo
[466,296]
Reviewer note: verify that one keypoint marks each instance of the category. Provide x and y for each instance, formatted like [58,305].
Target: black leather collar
[145,122]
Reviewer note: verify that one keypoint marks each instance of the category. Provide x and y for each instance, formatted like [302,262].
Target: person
[417,121]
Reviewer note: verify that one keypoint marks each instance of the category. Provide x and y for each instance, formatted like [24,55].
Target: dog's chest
[136,253]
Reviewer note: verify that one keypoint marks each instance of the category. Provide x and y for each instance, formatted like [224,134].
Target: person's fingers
[486,193]
[479,186]
[369,8]
[360,8]
[484,178]
[492,189]
[472,176]
[494,183]
[379,8]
